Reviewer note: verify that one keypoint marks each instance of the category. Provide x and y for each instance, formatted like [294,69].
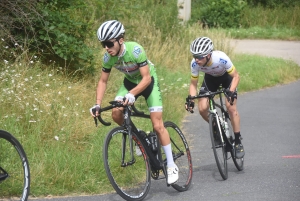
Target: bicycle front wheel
[130,177]
[14,169]
[182,157]
[219,147]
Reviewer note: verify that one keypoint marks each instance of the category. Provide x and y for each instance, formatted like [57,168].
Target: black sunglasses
[199,57]
[108,44]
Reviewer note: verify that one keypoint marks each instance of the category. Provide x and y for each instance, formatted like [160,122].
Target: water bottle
[226,130]
[153,140]
[222,123]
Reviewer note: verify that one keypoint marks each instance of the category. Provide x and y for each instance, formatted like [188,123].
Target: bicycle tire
[131,182]
[14,169]
[182,157]
[239,163]
[219,147]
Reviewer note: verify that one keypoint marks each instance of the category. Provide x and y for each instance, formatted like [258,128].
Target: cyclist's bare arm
[192,92]
[235,78]
[146,80]
[101,88]
[193,86]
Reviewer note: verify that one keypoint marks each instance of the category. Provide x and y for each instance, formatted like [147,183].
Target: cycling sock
[169,155]
[237,136]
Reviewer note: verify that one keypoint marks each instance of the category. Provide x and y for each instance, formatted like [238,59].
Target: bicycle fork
[215,113]
[132,161]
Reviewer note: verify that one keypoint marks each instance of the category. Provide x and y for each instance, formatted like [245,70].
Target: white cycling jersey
[217,66]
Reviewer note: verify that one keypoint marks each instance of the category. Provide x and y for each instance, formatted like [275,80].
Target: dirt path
[272,48]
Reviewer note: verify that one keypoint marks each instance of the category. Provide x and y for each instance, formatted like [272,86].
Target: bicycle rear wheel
[238,162]
[219,147]
[130,179]
[14,169]
[182,157]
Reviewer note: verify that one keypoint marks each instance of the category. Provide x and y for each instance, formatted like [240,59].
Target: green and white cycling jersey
[129,62]
[132,58]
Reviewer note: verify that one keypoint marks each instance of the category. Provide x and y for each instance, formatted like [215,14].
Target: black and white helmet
[201,46]
[109,30]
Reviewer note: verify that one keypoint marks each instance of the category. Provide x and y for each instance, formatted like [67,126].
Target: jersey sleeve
[226,63]
[106,63]
[194,70]
[139,55]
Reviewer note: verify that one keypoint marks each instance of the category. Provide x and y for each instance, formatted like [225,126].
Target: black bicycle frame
[155,158]
[212,106]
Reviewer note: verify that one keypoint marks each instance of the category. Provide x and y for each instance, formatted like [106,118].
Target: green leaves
[63,32]
[219,13]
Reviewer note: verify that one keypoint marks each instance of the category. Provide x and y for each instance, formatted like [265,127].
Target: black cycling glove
[231,95]
[189,105]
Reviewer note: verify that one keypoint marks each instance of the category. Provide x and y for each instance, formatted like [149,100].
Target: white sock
[169,155]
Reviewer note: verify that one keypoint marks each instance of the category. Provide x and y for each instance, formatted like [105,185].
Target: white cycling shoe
[172,174]
[138,151]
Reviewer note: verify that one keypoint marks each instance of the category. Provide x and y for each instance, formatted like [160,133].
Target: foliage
[273,3]
[64,31]
[219,13]
[56,30]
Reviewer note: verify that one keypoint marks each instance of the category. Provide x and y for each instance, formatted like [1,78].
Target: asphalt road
[289,50]
[270,128]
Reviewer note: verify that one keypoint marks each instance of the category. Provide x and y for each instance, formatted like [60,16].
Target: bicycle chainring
[155,174]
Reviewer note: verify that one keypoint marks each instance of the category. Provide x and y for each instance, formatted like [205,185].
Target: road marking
[291,156]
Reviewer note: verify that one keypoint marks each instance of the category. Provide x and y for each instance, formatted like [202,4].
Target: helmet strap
[207,59]
[119,48]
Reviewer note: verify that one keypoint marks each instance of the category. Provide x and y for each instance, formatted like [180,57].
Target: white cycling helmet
[109,30]
[201,46]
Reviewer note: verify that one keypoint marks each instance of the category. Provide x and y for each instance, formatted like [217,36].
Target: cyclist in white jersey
[218,70]
[140,80]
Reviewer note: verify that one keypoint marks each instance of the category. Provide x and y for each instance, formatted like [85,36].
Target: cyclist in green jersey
[140,80]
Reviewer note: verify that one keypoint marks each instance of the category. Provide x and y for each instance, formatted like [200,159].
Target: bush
[55,30]
[218,13]
[273,3]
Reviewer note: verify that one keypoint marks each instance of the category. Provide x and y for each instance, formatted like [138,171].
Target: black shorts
[211,83]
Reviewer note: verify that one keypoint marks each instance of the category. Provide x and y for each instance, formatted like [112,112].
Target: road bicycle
[14,169]
[221,132]
[130,174]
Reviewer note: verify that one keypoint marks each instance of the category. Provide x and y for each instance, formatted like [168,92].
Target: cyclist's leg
[203,108]
[232,109]
[154,102]
[208,84]
[234,115]
[235,120]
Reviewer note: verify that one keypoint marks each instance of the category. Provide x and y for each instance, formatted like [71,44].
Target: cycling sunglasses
[199,57]
[108,44]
